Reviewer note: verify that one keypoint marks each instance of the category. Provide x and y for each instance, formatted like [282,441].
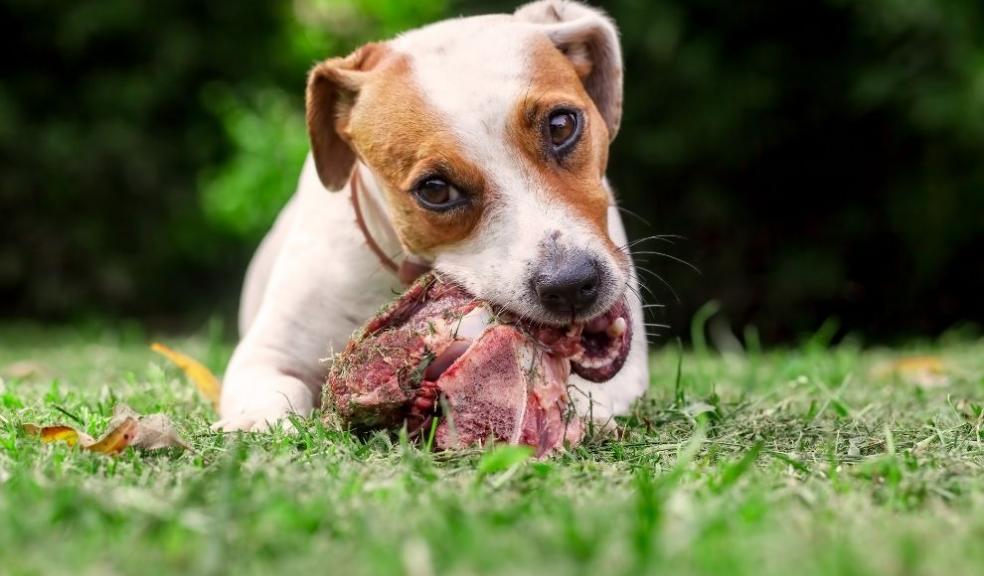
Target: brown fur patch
[380,115]
[331,89]
[403,139]
[576,179]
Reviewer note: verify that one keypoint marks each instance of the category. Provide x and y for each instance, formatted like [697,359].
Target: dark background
[824,159]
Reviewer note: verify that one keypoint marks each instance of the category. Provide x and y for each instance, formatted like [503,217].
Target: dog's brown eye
[437,194]
[435,191]
[563,129]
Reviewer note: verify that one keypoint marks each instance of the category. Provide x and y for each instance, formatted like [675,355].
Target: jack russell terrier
[474,146]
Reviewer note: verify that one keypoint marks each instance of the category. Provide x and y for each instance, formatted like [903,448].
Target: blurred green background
[824,159]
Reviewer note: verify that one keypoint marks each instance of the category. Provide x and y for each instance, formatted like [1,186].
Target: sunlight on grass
[805,461]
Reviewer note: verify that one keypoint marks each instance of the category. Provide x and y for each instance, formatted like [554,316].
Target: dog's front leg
[309,310]
[258,392]
[312,284]
[278,368]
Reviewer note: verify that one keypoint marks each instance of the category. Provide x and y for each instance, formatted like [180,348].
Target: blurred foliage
[269,140]
[266,128]
[823,157]
[147,146]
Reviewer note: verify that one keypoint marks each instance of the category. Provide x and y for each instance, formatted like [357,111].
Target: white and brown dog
[475,146]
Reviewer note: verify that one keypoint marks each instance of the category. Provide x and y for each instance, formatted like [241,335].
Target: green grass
[789,462]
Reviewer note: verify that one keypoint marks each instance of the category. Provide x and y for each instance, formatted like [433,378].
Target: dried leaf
[58,433]
[153,432]
[117,439]
[156,431]
[201,377]
[126,428]
[120,413]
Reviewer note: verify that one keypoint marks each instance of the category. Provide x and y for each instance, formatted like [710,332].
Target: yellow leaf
[127,428]
[56,433]
[201,377]
[117,439]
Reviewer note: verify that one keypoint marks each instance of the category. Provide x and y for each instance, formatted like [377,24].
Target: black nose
[569,284]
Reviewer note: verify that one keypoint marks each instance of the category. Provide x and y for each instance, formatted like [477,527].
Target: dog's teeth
[592,362]
[617,328]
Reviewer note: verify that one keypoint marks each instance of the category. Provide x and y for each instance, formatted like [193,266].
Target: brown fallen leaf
[153,432]
[126,428]
[201,377]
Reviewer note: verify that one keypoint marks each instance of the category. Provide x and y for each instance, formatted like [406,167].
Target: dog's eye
[563,130]
[437,194]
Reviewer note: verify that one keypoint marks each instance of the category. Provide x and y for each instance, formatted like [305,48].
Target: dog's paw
[263,420]
[251,406]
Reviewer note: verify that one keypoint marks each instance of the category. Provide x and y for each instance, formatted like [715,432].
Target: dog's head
[489,136]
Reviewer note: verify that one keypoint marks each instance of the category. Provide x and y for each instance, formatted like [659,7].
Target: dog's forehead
[472,70]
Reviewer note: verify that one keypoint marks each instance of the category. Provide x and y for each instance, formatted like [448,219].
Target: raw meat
[438,352]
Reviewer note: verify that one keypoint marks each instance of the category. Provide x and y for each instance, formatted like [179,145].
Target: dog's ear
[589,39]
[332,89]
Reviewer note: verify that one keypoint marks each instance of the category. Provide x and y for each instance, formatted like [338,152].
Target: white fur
[324,283]
[314,281]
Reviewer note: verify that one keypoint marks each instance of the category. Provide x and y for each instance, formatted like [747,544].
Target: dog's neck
[375,222]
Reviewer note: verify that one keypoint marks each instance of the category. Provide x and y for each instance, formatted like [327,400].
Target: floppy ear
[332,89]
[589,39]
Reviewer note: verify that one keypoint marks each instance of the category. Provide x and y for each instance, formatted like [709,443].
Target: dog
[474,146]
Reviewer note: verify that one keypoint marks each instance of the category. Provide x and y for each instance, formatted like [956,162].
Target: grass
[803,461]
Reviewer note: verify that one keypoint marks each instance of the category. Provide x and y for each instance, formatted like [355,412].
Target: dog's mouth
[597,348]
[605,343]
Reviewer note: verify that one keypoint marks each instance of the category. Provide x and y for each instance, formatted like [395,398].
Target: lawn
[810,460]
